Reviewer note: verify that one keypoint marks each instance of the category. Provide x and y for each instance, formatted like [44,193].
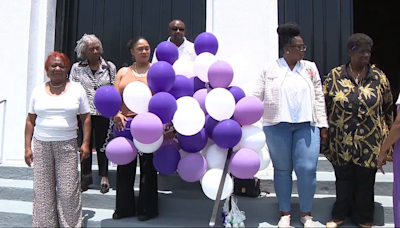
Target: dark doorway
[379,20]
[325,27]
[115,22]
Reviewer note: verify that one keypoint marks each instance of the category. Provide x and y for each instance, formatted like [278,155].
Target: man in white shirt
[176,31]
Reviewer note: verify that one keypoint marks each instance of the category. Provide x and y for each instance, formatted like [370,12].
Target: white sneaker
[284,222]
[308,221]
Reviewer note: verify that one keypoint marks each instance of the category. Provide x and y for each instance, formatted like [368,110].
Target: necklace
[55,86]
[141,74]
[357,76]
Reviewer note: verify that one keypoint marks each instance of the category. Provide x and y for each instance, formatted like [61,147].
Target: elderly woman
[92,73]
[147,205]
[359,106]
[52,122]
[294,112]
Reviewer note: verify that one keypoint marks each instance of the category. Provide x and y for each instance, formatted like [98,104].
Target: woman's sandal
[104,186]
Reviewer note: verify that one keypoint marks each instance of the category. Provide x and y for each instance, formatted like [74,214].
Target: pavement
[183,204]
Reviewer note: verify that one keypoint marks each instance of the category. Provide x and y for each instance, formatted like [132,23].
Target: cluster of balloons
[208,114]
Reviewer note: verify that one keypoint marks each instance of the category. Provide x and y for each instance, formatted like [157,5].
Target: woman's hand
[324,133]
[28,157]
[120,121]
[85,151]
[382,160]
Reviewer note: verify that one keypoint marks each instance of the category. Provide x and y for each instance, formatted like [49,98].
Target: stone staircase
[183,204]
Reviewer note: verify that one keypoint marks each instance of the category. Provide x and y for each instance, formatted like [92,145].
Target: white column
[27,36]
[246,31]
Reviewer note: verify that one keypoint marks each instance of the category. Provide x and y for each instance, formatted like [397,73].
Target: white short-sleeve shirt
[56,115]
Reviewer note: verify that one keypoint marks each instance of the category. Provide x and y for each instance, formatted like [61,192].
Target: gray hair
[81,44]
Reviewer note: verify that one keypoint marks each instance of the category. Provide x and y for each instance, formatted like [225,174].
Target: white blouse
[296,98]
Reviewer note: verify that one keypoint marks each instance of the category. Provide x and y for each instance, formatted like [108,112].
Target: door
[325,27]
[115,22]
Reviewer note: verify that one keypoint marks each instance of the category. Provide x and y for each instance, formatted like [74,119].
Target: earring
[287,52]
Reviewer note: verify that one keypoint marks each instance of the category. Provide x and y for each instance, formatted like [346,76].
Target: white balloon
[259,124]
[265,159]
[189,121]
[220,104]
[187,102]
[202,63]
[210,142]
[210,184]
[184,67]
[149,148]
[252,138]
[137,96]
[216,157]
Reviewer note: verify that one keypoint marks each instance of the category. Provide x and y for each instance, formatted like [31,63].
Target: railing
[2,126]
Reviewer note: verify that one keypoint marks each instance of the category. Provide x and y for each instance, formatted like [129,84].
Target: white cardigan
[268,90]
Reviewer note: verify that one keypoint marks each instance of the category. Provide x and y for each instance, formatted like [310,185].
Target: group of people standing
[350,113]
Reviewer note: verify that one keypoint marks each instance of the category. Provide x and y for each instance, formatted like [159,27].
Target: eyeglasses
[300,47]
[176,29]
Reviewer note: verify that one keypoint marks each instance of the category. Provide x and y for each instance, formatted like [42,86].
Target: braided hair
[287,32]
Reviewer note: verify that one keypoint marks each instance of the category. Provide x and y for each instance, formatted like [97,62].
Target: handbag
[246,187]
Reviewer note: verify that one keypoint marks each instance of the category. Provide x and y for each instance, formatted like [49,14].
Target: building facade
[246,31]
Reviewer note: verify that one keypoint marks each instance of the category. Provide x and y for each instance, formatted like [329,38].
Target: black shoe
[143,218]
[86,180]
[104,188]
[117,216]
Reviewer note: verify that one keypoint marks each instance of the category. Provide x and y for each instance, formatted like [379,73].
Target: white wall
[27,36]
[246,32]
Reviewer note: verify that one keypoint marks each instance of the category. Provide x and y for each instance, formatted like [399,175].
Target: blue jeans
[294,146]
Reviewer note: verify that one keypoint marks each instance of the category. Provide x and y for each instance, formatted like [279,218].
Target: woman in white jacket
[294,118]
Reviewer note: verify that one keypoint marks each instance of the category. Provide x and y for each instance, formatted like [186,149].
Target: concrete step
[180,209]
[325,179]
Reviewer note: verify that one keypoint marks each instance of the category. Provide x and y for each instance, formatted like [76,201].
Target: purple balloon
[193,143]
[108,101]
[220,74]
[182,87]
[167,51]
[248,110]
[160,77]
[197,84]
[227,134]
[200,96]
[126,133]
[206,42]
[166,160]
[146,128]
[245,163]
[210,125]
[121,151]
[192,167]
[396,182]
[164,106]
[237,93]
